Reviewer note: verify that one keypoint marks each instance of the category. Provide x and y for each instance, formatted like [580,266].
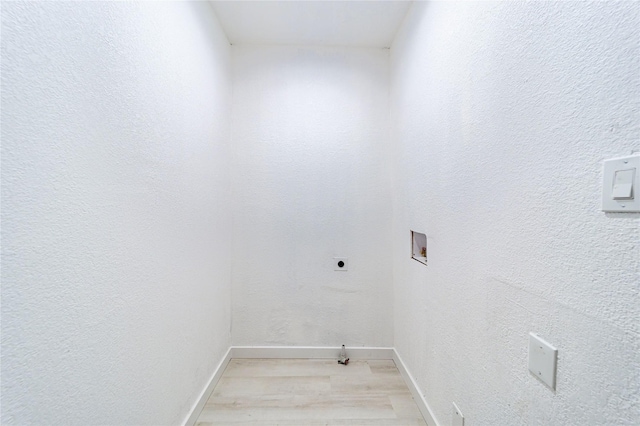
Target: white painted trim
[424,408]
[206,392]
[309,352]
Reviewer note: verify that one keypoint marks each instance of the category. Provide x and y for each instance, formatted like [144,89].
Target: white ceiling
[329,23]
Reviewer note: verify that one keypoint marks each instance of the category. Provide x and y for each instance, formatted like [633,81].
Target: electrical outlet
[340,264]
[457,419]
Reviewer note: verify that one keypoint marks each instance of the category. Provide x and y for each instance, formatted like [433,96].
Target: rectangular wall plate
[621,184]
[457,419]
[542,360]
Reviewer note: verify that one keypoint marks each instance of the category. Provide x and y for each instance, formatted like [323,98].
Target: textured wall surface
[501,116]
[311,181]
[115,210]
[117,224]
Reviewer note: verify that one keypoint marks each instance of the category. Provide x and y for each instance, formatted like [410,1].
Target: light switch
[542,360]
[621,183]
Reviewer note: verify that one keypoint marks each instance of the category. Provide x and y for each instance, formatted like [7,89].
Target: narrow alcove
[178,176]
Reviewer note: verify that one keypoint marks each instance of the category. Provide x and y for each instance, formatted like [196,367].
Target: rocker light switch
[620,185]
[623,185]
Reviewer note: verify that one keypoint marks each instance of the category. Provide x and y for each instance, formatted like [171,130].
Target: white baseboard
[311,352]
[424,408]
[206,392]
[308,352]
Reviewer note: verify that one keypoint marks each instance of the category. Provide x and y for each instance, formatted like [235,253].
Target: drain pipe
[343,357]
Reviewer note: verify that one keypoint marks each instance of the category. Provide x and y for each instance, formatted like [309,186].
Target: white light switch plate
[542,360]
[457,419]
[628,169]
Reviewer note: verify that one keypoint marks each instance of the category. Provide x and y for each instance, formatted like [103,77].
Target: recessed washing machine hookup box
[419,247]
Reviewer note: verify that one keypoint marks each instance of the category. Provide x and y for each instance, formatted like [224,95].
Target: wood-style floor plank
[310,392]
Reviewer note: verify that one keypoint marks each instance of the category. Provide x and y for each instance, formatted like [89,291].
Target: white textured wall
[501,116]
[311,181]
[115,210]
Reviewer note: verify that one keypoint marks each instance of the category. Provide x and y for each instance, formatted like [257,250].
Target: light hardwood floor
[310,392]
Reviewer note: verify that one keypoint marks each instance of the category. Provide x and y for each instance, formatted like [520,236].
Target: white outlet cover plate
[337,260]
[457,419]
[542,360]
[609,169]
